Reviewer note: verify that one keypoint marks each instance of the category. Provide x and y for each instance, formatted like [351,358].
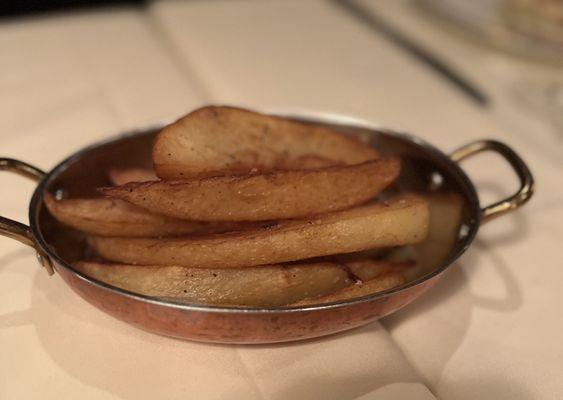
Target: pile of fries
[245,209]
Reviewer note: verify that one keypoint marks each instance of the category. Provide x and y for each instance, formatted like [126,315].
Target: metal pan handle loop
[526,189]
[14,229]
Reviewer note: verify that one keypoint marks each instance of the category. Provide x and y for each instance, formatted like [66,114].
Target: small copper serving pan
[425,168]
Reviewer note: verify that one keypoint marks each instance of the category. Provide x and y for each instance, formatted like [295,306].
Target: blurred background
[359,58]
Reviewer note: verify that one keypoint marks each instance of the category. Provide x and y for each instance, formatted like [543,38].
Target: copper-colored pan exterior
[424,169]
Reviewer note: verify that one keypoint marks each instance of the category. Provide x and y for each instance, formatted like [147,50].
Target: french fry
[265,286]
[114,217]
[368,269]
[400,221]
[446,211]
[218,141]
[119,176]
[271,196]
[383,282]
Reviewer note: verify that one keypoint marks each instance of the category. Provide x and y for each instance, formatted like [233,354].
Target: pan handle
[526,189]
[14,229]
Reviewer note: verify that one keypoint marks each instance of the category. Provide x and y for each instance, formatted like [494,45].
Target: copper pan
[425,168]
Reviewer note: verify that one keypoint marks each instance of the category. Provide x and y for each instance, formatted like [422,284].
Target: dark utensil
[374,22]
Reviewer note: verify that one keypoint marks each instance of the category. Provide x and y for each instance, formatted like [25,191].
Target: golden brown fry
[122,176]
[265,286]
[218,141]
[383,282]
[368,269]
[277,195]
[401,221]
[446,211]
[114,217]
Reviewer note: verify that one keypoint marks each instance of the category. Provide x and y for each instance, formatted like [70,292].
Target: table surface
[490,329]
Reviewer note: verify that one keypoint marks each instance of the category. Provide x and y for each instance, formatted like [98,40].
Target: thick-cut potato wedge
[114,217]
[401,221]
[276,195]
[122,176]
[382,282]
[446,210]
[264,286]
[368,269]
[218,141]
